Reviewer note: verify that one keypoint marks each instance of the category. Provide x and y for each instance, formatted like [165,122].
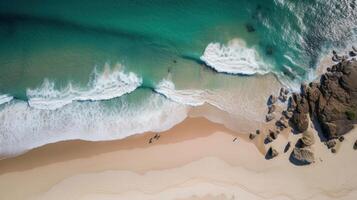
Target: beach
[197,159]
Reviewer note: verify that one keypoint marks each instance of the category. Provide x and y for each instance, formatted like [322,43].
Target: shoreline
[195,159]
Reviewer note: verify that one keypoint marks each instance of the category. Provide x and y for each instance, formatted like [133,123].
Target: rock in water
[308,138]
[303,156]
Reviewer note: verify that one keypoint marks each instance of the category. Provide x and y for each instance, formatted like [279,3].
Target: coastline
[195,159]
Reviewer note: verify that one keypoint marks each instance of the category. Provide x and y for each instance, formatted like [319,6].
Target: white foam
[234,58]
[195,97]
[4,98]
[23,128]
[106,85]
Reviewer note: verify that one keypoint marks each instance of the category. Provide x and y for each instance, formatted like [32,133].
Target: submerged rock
[303,156]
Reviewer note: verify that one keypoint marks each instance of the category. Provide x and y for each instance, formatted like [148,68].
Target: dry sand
[197,159]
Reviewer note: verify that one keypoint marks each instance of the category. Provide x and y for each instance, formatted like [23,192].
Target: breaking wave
[234,58]
[4,98]
[106,85]
[23,127]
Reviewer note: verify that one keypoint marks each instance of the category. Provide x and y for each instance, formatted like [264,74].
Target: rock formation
[332,101]
[302,156]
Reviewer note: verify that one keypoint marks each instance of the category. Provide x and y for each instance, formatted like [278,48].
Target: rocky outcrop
[332,101]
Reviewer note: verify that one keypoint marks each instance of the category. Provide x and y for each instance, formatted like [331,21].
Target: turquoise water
[52,52]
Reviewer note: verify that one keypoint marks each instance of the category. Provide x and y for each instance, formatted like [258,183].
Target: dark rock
[355,145]
[251,136]
[354,48]
[341,139]
[271,109]
[352,54]
[333,150]
[272,99]
[257,132]
[300,121]
[287,147]
[302,156]
[271,153]
[250,28]
[269,50]
[268,139]
[287,114]
[273,134]
[331,144]
[282,123]
[269,117]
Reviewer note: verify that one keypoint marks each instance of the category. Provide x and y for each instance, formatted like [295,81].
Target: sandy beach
[197,159]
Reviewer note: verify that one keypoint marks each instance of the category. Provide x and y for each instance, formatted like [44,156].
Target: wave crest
[234,58]
[4,98]
[106,85]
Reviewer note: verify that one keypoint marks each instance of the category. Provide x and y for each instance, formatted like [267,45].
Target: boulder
[331,144]
[271,109]
[268,139]
[271,153]
[282,123]
[303,156]
[287,114]
[341,139]
[300,121]
[273,134]
[355,145]
[308,138]
[251,136]
[287,147]
[269,117]
[272,99]
[257,132]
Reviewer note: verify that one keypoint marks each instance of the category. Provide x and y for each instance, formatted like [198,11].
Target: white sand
[195,160]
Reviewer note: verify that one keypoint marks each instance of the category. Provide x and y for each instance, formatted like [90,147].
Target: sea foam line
[106,85]
[23,128]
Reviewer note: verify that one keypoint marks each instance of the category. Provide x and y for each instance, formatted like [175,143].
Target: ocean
[104,70]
